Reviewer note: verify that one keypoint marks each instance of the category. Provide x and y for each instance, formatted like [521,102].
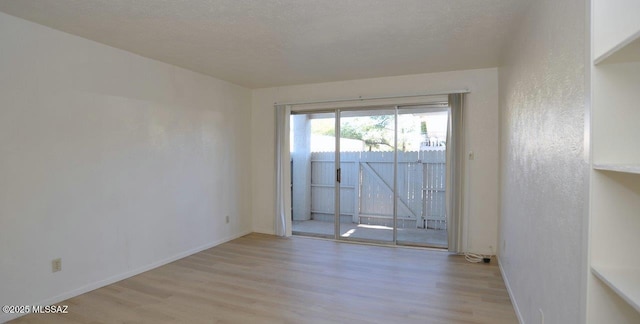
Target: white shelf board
[625,168]
[624,281]
[627,51]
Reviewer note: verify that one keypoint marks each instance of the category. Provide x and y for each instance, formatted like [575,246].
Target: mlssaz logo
[51,309]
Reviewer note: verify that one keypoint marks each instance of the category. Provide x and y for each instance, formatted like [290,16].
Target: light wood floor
[263,279]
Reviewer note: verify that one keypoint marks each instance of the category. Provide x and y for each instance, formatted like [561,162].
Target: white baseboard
[511,296]
[99,284]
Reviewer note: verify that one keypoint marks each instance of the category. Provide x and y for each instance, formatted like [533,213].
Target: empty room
[319,161]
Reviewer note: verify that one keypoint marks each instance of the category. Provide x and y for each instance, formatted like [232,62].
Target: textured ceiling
[263,43]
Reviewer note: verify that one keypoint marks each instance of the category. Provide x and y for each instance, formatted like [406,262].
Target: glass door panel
[367,148]
[421,196]
[313,174]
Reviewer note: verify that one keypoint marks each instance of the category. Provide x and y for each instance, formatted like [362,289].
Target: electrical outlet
[227,219]
[56,265]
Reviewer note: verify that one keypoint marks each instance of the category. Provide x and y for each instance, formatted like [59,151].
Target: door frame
[337,164]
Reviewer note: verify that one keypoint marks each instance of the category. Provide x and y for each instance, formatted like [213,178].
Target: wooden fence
[366,190]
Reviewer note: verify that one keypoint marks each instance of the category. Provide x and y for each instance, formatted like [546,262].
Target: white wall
[111,161]
[482,138]
[543,166]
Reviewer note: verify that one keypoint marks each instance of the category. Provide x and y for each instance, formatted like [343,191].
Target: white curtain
[283,172]
[455,169]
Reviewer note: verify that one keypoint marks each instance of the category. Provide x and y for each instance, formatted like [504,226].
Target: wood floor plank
[264,279]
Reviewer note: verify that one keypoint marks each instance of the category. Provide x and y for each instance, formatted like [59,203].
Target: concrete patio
[409,236]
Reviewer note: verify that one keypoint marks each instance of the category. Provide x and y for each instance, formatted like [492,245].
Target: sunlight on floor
[348,233]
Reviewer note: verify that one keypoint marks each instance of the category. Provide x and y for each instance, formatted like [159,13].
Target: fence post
[356,189]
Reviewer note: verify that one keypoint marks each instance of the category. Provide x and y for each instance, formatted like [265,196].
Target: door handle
[338,174]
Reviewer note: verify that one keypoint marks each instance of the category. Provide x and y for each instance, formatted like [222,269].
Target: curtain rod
[424,94]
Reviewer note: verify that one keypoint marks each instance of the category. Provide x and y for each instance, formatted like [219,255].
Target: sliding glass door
[367,167]
[386,185]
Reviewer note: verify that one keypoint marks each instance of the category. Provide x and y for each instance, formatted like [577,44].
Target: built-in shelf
[626,51]
[624,281]
[614,200]
[625,168]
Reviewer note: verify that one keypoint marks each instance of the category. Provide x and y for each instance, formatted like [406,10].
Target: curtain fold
[283,172]
[455,171]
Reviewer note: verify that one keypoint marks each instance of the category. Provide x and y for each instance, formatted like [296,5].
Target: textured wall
[111,161]
[481,137]
[543,166]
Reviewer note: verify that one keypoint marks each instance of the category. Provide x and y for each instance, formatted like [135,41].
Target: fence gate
[366,190]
